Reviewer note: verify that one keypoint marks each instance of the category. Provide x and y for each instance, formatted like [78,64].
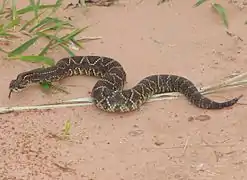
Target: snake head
[17,84]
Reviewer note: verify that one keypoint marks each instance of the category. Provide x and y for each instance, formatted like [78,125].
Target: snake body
[108,92]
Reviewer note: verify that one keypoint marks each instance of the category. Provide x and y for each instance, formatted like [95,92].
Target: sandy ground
[164,140]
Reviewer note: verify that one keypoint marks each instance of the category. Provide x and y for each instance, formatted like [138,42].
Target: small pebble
[158,143]
[199,118]
[203,117]
[191,118]
[136,132]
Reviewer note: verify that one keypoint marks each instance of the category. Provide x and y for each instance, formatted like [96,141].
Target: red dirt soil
[168,139]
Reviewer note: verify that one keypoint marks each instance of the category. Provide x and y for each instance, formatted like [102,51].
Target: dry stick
[200,145]
[186,144]
[4,110]
[232,82]
[89,38]
[226,83]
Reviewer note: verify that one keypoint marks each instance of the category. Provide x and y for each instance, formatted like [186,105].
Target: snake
[108,93]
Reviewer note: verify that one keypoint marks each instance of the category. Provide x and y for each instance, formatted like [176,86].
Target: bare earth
[168,139]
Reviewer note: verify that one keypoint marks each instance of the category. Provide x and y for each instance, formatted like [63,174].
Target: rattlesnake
[108,93]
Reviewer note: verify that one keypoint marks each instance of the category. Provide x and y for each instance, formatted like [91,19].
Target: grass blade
[199,2]
[30,8]
[49,20]
[23,47]
[14,12]
[43,22]
[70,37]
[11,24]
[8,35]
[35,7]
[55,27]
[37,59]
[58,4]
[67,49]
[73,34]
[59,42]
[31,21]
[221,11]
[51,37]
[46,48]
[3,6]
[77,43]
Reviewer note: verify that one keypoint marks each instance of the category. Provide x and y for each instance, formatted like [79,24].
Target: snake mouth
[13,90]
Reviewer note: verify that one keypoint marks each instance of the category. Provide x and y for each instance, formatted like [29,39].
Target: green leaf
[67,49]
[35,7]
[70,37]
[23,47]
[49,20]
[11,23]
[46,48]
[43,22]
[36,59]
[221,11]
[46,85]
[59,42]
[8,35]
[199,2]
[31,21]
[51,37]
[55,27]
[77,43]
[30,8]
[14,11]
[74,33]
[58,4]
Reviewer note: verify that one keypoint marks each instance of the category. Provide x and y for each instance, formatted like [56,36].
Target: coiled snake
[108,93]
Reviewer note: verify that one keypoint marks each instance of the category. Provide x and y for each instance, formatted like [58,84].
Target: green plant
[218,8]
[39,26]
[44,24]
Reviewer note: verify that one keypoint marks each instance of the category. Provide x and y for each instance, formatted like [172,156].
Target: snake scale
[108,92]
